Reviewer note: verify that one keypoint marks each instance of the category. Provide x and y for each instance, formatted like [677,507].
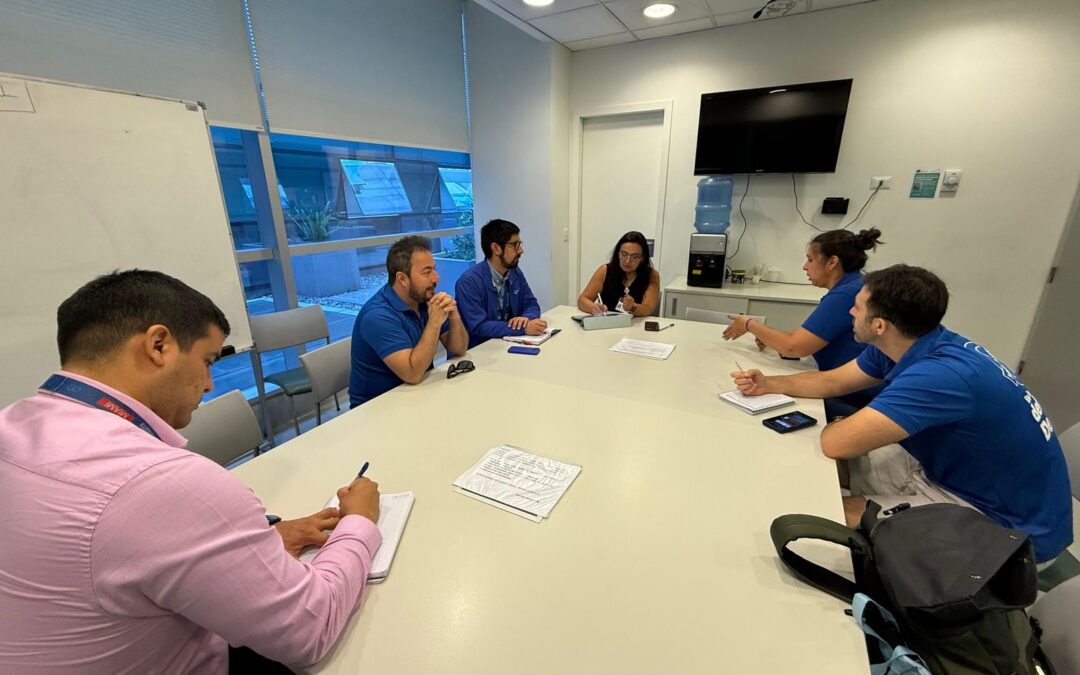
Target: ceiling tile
[675,28]
[732,18]
[729,6]
[747,16]
[579,24]
[593,43]
[523,11]
[629,12]
[827,4]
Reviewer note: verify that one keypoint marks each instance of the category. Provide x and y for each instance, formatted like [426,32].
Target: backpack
[956,582]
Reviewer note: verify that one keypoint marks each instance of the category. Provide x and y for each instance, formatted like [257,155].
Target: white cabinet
[785,306]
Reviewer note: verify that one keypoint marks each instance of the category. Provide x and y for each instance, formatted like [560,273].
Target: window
[344,203]
[374,189]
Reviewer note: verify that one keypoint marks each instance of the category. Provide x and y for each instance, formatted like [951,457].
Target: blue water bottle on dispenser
[708,246]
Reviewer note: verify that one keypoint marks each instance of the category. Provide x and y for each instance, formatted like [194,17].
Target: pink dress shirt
[121,553]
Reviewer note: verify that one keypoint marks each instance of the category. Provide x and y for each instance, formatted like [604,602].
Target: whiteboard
[92,181]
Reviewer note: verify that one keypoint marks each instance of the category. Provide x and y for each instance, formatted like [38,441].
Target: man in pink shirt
[124,553]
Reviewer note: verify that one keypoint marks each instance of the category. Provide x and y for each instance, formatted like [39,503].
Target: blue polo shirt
[831,321]
[385,325]
[979,433]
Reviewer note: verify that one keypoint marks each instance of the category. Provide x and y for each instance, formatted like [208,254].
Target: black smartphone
[791,421]
[652,325]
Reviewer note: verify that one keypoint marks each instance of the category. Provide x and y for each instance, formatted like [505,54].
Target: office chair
[224,429]
[328,370]
[709,316]
[281,330]
[1058,614]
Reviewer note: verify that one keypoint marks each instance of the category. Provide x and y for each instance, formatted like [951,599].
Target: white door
[623,167]
[1050,365]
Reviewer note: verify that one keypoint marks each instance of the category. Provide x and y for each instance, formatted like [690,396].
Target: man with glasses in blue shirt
[397,331]
[980,436]
[492,295]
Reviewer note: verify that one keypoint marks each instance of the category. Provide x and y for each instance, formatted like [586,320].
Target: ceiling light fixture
[659,10]
[777,91]
[538,3]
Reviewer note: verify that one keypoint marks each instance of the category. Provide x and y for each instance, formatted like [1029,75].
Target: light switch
[950,181]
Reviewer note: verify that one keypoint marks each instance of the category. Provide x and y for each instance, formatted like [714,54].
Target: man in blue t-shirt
[492,295]
[981,437]
[396,333]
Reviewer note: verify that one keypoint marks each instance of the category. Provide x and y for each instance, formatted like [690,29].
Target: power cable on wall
[746,223]
[842,227]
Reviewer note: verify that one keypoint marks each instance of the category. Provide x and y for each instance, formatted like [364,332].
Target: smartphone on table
[788,422]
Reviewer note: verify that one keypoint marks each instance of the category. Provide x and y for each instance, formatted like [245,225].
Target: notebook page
[756,404]
[394,512]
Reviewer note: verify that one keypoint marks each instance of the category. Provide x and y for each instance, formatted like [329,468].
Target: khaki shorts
[891,476]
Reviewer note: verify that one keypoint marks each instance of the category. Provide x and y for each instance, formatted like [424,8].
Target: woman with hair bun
[834,260]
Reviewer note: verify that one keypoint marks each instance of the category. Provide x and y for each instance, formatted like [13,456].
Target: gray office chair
[280,330]
[328,369]
[709,316]
[224,429]
[1070,445]
[1058,614]
[1066,567]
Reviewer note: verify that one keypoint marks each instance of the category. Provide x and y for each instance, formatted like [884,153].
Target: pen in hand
[362,470]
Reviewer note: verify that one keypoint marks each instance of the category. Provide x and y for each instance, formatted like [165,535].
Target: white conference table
[657,559]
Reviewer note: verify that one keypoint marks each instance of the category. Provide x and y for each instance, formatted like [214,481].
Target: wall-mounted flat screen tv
[794,128]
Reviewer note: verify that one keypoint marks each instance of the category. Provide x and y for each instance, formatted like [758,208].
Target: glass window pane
[457,184]
[375,189]
[336,190]
[341,282]
[236,187]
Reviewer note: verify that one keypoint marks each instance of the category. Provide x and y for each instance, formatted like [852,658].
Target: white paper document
[650,350]
[394,510]
[518,481]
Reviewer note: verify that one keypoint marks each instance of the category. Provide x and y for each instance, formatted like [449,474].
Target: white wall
[991,87]
[520,137]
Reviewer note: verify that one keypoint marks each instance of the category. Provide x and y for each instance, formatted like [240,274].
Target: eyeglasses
[629,257]
[516,245]
[459,368]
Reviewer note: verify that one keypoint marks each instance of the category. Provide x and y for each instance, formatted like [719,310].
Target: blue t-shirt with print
[979,433]
[385,325]
[831,321]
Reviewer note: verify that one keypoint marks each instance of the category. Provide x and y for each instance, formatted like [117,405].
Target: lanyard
[94,397]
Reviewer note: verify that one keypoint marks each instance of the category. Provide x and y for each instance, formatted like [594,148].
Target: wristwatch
[272,520]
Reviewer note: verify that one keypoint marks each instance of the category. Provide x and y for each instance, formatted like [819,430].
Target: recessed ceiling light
[659,10]
[538,3]
[777,91]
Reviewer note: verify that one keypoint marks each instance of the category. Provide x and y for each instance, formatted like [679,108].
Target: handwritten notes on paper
[518,481]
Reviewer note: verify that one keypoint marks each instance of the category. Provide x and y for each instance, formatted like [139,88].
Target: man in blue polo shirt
[981,437]
[396,333]
[493,296]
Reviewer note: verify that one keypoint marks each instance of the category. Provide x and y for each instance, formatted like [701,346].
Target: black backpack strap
[787,529]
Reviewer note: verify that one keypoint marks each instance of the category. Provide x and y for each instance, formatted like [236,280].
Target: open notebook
[533,340]
[756,404]
[394,512]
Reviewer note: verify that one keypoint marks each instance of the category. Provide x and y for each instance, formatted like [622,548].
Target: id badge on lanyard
[95,398]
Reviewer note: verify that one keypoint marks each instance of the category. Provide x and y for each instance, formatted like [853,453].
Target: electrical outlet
[884,181]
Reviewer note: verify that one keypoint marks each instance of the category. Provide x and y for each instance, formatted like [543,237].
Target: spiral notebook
[394,512]
[756,404]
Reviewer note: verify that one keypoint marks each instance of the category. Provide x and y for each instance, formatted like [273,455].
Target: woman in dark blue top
[834,260]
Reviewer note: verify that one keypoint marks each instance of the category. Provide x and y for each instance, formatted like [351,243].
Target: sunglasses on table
[459,368]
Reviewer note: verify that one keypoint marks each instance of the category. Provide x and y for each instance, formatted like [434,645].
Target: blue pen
[362,470]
